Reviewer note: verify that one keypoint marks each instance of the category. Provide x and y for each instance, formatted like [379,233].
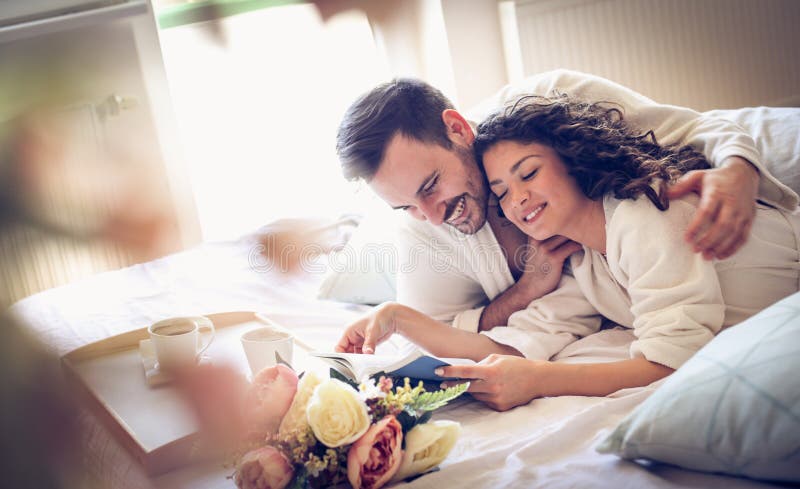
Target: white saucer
[152,374]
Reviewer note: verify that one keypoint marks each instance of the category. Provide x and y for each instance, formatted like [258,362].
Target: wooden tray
[152,423]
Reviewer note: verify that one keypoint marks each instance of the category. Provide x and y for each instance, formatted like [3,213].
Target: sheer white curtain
[258,114]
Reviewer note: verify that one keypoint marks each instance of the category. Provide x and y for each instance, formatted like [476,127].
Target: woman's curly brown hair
[601,152]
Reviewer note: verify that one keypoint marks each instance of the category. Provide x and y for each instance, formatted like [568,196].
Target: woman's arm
[438,338]
[442,339]
[504,382]
[540,330]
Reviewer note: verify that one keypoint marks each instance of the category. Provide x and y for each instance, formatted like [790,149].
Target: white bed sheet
[547,443]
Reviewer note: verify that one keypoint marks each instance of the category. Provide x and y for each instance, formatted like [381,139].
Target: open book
[415,364]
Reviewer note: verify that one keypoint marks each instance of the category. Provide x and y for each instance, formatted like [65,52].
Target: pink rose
[264,468]
[375,457]
[268,398]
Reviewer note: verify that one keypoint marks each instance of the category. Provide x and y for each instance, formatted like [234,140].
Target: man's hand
[500,381]
[371,330]
[727,206]
[543,263]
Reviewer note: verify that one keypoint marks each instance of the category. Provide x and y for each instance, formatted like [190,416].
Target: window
[258,113]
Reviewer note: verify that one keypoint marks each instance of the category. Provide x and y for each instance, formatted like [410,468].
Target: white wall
[702,54]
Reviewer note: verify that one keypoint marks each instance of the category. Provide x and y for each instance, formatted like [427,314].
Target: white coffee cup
[267,346]
[176,341]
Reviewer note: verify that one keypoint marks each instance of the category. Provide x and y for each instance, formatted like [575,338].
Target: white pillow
[774,130]
[734,407]
[364,271]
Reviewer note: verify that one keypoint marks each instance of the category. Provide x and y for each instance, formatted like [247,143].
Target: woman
[566,168]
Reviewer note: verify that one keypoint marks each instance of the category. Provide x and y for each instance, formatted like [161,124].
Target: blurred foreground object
[39,440]
[291,245]
[68,199]
[57,181]
[52,182]
[376,11]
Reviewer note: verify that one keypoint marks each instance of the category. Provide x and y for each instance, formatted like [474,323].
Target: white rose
[336,414]
[295,419]
[427,445]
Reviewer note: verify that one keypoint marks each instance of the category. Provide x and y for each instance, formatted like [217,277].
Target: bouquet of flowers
[312,432]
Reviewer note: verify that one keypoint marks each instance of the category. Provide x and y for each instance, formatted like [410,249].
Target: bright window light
[258,113]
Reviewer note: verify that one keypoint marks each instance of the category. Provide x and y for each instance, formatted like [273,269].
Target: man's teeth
[458,210]
[533,213]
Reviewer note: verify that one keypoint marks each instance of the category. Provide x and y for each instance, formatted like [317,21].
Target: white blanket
[547,443]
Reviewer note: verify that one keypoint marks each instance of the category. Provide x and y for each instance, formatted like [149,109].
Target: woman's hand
[727,206]
[371,330]
[500,381]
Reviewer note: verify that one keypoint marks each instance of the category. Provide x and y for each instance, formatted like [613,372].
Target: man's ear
[458,129]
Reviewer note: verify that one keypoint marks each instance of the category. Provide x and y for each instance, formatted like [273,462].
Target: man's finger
[737,240]
[554,242]
[564,251]
[724,248]
[703,219]
[718,232]
[690,182]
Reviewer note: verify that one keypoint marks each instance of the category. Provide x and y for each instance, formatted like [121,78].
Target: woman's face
[534,189]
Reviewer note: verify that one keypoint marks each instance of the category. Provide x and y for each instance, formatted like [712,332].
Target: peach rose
[263,468]
[375,457]
[268,398]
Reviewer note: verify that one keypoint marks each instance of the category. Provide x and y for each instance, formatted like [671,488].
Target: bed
[547,443]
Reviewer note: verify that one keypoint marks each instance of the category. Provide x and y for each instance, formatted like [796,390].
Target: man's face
[433,183]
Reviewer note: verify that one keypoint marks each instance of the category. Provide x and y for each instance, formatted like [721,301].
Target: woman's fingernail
[443,385]
[439,372]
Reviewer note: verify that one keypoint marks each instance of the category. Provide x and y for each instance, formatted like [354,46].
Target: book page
[361,365]
[414,363]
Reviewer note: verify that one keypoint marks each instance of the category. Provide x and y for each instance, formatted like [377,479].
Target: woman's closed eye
[530,175]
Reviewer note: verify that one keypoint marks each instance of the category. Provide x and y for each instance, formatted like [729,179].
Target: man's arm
[724,223]
[446,278]
[727,207]
[542,265]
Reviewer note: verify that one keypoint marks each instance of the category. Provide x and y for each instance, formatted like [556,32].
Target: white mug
[267,346]
[176,341]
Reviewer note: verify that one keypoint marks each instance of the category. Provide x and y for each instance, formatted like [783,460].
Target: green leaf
[428,401]
[300,479]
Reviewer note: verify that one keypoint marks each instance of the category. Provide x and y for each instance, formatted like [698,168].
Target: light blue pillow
[734,407]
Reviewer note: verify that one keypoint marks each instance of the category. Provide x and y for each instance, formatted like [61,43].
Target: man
[406,140]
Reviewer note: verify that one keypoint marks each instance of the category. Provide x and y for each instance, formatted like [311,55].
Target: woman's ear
[458,129]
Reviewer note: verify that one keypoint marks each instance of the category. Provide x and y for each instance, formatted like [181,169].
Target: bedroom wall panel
[703,54]
[34,259]
[131,149]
